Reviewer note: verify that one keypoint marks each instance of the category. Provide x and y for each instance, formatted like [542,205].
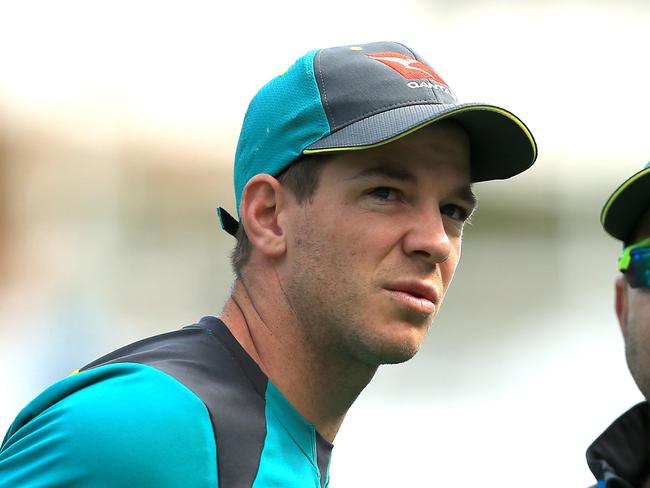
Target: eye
[385,193]
[455,212]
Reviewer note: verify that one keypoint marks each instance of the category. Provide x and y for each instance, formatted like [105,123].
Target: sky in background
[525,365]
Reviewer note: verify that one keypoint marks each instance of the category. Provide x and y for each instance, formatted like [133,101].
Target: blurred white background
[118,124]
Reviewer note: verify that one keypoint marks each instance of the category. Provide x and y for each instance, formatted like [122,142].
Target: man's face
[370,256]
[633,310]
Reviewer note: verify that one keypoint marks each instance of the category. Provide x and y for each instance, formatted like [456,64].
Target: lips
[420,296]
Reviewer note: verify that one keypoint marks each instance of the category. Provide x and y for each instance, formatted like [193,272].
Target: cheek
[637,326]
[353,237]
[639,310]
[355,254]
[448,268]
[639,300]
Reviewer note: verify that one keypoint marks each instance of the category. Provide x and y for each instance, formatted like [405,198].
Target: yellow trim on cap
[620,190]
[488,108]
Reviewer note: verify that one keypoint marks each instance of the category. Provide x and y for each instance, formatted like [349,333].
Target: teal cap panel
[116,425]
[284,118]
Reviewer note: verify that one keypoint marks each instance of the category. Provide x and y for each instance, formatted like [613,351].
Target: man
[620,457]
[353,180]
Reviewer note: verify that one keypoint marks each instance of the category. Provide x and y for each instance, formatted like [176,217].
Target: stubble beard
[637,355]
[330,306]
[331,301]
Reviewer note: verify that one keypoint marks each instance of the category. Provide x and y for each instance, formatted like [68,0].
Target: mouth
[418,296]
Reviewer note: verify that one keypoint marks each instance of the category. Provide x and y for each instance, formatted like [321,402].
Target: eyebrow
[393,172]
[465,192]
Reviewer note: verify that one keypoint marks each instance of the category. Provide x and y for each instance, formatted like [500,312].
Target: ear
[260,203]
[620,304]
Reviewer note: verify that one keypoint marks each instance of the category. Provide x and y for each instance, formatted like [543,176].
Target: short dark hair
[301,178]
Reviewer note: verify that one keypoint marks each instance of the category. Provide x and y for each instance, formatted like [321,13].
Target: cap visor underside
[501,144]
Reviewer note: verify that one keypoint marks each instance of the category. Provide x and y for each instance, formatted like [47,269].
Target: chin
[391,352]
[391,341]
[397,358]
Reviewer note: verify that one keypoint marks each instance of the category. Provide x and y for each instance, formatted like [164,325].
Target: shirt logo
[409,68]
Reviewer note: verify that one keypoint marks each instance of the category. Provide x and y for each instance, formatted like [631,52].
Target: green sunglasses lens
[638,271]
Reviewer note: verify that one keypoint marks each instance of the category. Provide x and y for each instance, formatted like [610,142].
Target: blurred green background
[118,123]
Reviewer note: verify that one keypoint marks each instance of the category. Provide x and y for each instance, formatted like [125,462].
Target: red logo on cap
[409,68]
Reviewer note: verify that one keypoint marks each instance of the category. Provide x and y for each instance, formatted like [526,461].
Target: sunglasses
[635,264]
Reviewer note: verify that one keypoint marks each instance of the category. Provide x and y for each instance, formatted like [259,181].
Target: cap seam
[408,50]
[323,95]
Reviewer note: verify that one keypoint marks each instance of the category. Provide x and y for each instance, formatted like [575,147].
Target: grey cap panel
[354,86]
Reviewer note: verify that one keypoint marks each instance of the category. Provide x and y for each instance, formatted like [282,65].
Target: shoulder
[117,425]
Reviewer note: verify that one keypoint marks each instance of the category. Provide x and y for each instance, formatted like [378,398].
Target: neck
[319,384]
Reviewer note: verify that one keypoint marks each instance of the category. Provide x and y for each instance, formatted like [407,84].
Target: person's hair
[301,178]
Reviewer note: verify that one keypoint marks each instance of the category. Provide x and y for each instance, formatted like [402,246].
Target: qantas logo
[409,68]
[412,69]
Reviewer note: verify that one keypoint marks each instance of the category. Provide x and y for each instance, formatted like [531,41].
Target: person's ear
[260,204]
[620,303]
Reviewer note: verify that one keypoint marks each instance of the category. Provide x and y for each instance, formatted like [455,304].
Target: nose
[427,237]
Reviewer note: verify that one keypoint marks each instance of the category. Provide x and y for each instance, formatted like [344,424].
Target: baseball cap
[362,96]
[627,205]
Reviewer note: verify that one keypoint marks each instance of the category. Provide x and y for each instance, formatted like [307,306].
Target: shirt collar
[622,451]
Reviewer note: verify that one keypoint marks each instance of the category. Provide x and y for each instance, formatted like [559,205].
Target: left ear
[261,202]
[620,303]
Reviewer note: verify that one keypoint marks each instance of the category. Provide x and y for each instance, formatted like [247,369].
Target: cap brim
[501,144]
[626,206]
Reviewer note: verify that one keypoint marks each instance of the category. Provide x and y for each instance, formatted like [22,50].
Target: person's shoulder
[116,425]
